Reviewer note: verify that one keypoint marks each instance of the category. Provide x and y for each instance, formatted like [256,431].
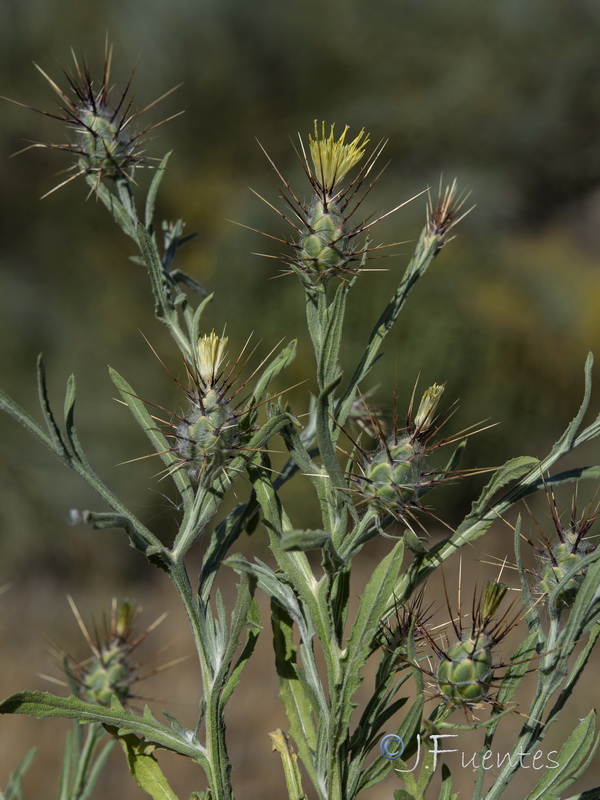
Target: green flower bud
[392,476]
[465,672]
[208,437]
[325,248]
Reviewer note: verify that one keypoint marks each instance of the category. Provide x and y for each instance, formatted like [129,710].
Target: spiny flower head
[393,476]
[466,668]
[327,242]
[406,620]
[111,671]
[559,577]
[333,159]
[445,214]
[208,434]
[103,137]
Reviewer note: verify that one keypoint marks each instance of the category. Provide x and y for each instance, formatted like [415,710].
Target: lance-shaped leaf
[145,769]
[574,757]
[44,704]
[153,190]
[154,434]
[294,691]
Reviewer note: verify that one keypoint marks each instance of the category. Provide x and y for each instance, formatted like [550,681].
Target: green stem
[216,748]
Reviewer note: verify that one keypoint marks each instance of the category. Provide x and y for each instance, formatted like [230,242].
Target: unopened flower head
[427,407]
[333,159]
[111,670]
[103,136]
[562,566]
[211,352]
[466,668]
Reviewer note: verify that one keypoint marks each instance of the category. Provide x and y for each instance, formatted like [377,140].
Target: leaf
[153,190]
[44,704]
[332,336]
[573,758]
[144,768]
[304,540]
[589,794]
[115,207]
[446,786]
[53,429]
[274,586]
[14,788]
[566,441]
[289,759]
[252,623]
[513,470]
[402,794]
[155,270]
[292,689]
[154,434]
[194,325]
[376,598]
[8,405]
[279,363]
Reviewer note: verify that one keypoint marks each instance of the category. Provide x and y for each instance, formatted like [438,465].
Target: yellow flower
[333,159]
[211,352]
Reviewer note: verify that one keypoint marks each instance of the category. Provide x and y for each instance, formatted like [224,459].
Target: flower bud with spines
[559,559]
[327,242]
[208,436]
[465,672]
[102,135]
[393,476]
[111,670]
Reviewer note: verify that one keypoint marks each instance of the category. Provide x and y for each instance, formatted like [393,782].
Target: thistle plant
[323,647]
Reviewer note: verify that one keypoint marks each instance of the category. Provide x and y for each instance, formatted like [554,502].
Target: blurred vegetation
[506,97]
[503,96]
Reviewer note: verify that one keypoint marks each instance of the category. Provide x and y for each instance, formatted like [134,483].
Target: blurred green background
[506,97]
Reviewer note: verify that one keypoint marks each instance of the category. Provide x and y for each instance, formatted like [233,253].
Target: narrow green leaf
[117,210]
[14,788]
[144,768]
[512,470]
[70,758]
[328,366]
[69,417]
[589,794]
[274,586]
[155,270]
[289,759]
[8,405]
[44,704]
[239,620]
[376,599]
[293,691]
[565,443]
[194,325]
[446,787]
[425,251]
[53,429]
[253,627]
[303,540]
[155,435]
[279,363]
[96,770]
[153,190]
[573,758]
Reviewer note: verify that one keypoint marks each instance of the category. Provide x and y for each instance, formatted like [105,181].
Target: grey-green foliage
[310,615]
